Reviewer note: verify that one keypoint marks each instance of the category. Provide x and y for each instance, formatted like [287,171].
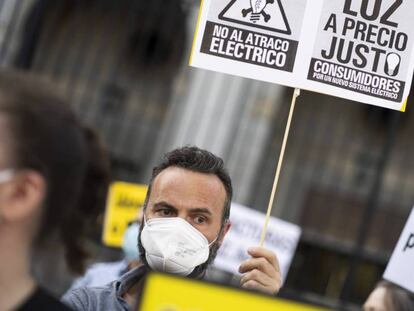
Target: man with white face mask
[186,217]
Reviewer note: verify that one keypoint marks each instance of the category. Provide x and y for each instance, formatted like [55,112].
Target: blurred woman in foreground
[389,297]
[53,182]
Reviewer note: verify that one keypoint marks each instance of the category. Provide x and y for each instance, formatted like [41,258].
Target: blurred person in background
[54,175]
[103,273]
[185,219]
[389,297]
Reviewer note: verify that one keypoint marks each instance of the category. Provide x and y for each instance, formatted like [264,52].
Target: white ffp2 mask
[6,175]
[173,245]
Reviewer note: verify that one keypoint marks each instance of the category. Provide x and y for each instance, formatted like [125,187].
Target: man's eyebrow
[164,204]
[201,210]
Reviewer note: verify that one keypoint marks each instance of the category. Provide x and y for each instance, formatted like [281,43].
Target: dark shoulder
[41,300]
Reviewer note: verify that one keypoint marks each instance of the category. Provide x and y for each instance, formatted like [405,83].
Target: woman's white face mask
[173,245]
[6,175]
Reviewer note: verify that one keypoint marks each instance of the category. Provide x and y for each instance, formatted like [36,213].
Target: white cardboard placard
[400,269]
[282,238]
[362,50]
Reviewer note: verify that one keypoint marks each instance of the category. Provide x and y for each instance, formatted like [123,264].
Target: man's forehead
[189,189]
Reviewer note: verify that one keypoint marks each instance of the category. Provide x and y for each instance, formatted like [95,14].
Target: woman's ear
[22,197]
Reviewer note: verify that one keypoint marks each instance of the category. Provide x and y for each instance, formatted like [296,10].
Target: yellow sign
[169,293]
[123,205]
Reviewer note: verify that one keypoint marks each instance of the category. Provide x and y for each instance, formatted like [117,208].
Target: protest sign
[258,41]
[360,50]
[171,293]
[400,269]
[282,238]
[123,205]
[364,47]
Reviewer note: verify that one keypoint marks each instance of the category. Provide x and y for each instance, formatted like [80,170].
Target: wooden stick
[296,94]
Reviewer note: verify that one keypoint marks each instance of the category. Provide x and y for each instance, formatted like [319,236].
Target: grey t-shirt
[104,298]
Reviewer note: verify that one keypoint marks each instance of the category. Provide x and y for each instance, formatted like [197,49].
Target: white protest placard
[246,226]
[362,50]
[400,269]
[232,37]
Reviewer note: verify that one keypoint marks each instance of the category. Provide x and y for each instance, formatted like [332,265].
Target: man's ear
[226,228]
[23,196]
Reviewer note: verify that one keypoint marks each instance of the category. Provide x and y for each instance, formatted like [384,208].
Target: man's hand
[261,272]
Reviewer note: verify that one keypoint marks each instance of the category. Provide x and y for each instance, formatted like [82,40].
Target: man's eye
[165,212]
[200,220]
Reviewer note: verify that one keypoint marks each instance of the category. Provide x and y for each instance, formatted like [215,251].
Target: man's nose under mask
[173,245]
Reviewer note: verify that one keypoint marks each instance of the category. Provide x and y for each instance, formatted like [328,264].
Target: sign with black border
[361,50]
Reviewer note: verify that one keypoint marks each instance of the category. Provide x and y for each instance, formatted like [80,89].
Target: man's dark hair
[197,160]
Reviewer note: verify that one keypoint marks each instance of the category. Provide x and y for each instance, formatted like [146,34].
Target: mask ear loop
[145,219]
[214,241]
[218,235]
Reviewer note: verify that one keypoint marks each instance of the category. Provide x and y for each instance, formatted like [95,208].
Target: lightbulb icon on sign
[392,64]
[256,10]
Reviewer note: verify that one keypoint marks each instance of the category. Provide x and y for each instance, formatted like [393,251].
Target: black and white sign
[249,47]
[400,269]
[364,46]
[361,50]
[251,38]
[264,14]
[246,227]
